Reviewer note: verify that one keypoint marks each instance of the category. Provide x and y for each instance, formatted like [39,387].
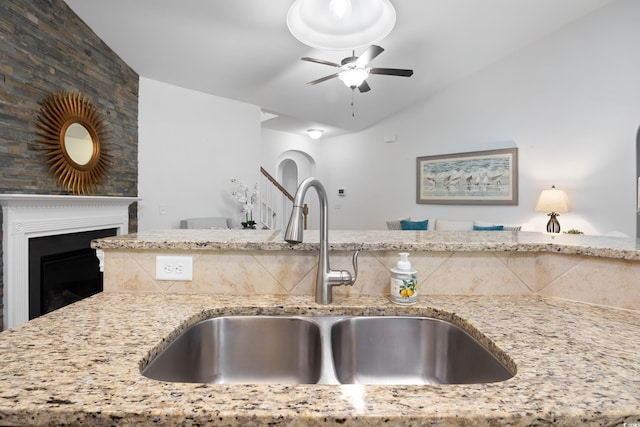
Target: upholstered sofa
[448,225]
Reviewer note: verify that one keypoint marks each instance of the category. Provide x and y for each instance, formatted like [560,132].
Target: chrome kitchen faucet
[326,278]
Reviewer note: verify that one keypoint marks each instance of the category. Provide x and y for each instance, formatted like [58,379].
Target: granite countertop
[379,240]
[577,364]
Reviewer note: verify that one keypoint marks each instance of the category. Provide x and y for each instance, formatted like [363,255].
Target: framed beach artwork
[474,178]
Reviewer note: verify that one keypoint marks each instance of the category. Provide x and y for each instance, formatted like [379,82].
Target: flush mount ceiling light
[340,24]
[314,133]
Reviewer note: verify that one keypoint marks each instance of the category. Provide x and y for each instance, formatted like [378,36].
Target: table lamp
[553,201]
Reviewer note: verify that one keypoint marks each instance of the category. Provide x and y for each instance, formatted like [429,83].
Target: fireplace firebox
[63,269]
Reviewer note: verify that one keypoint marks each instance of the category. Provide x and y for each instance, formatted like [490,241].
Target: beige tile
[523,265]
[113,271]
[424,262]
[599,281]
[588,279]
[229,272]
[123,274]
[551,266]
[287,268]
[140,282]
[373,277]
[474,273]
[306,286]
[146,261]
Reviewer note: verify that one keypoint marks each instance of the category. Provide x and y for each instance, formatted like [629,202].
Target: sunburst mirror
[72,131]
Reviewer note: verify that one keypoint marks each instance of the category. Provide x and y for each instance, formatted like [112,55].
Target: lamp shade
[553,200]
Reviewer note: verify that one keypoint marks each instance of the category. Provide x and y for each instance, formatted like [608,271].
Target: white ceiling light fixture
[314,133]
[341,9]
[354,77]
[340,24]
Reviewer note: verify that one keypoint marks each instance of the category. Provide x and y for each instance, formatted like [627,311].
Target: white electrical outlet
[174,268]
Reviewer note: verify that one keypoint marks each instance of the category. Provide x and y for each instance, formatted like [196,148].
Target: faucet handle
[344,277]
[355,267]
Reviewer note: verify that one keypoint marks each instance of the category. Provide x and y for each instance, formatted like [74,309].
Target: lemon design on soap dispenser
[408,288]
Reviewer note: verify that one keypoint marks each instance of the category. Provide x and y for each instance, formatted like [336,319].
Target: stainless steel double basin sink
[326,350]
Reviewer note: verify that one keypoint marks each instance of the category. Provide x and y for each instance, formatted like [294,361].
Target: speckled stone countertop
[380,240]
[577,365]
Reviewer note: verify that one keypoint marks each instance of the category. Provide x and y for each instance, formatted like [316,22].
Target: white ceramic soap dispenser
[404,282]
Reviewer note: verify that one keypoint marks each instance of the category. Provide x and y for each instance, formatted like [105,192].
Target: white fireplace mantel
[25,216]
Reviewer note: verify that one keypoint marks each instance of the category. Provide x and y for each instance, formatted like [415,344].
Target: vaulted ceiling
[242,49]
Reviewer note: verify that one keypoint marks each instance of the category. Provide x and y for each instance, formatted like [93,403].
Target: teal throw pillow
[414,225]
[489,228]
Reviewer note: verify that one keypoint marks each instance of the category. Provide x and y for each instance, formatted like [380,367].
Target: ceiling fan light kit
[340,24]
[353,78]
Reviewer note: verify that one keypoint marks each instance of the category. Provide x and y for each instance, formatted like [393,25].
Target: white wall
[570,103]
[191,145]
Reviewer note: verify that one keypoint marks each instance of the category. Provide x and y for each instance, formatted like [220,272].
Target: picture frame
[474,178]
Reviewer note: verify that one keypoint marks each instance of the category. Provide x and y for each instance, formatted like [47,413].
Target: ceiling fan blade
[321,61]
[322,79]
[364,87]
[392,72]
[368,55]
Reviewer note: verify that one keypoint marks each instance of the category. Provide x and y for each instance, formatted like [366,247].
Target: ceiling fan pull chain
[353,108]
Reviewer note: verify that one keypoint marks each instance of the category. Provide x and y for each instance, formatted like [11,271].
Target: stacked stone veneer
[604,281]
[45,47]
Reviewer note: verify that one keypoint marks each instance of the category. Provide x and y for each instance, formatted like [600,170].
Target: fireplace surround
[26,216]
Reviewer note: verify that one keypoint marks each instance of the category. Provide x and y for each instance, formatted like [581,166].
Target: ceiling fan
[354,71]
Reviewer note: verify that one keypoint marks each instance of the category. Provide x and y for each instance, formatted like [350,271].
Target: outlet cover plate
[174,268]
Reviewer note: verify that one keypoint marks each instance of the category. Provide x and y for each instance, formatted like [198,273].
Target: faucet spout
[326,278]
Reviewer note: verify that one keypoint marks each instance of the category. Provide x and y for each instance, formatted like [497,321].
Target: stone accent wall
[45,47]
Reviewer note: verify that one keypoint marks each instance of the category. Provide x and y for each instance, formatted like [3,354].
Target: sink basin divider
[328,370]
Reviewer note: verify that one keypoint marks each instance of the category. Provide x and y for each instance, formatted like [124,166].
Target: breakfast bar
[575,362]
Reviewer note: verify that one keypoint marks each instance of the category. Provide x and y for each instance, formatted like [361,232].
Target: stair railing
[271,197]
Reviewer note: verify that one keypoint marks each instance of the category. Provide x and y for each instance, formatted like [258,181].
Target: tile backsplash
[602,281]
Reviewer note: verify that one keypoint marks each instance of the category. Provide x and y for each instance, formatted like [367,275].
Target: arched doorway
[289,175]
[293,167]
[289,180]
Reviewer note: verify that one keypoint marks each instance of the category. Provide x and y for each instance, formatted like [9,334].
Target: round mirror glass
[78,143]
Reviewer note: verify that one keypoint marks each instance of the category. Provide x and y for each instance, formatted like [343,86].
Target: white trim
[32,215]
